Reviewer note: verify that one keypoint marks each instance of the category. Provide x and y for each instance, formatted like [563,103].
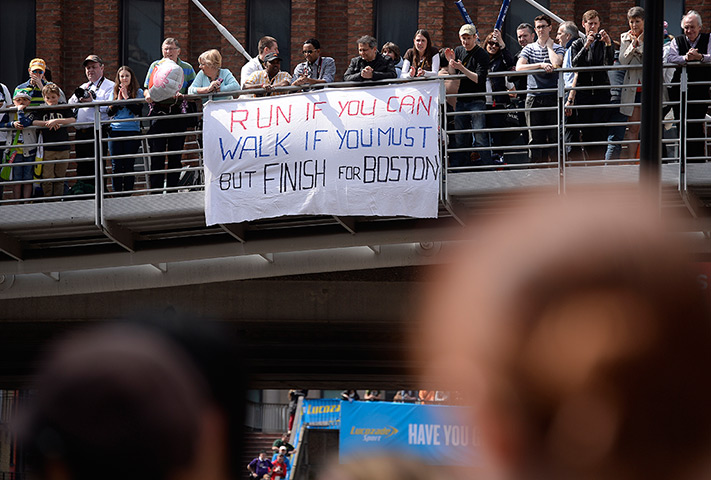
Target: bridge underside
[320,302]
[319,331]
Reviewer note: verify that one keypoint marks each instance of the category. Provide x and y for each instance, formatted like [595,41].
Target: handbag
[8,158]
[511,119]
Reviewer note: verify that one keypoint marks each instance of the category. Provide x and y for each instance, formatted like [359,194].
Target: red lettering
[408,101]
[421,101]
[388,105]
[241,122]
[316,109]
[279,110]
[271,108]
[343,107]
[362,112]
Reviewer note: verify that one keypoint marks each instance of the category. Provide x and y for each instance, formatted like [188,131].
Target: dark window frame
[12,59]
[405,42]
[255,32]
[510,25]
[123,26]
[674,27]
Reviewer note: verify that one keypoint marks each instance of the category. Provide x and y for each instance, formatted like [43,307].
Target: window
[271,18]
[17,37]
[520,12]
[396,21]
[142,35]
[673,11]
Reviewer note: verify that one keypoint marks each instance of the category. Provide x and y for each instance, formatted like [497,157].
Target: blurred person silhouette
[583,340]
[113,403]
[216,353]
[393,466]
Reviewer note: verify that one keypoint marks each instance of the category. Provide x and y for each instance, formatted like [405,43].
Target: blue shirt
[124,113]
[229,84]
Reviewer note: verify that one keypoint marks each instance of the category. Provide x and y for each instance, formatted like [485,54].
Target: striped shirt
[260,77]
[535,53]
[36,93]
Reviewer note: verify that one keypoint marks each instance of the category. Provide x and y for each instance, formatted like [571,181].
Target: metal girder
[349,223]
[237,230]
[119,234]
[218,269]
[10,246]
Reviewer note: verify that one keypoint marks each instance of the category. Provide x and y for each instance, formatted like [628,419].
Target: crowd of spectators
[540,54]
[404,396]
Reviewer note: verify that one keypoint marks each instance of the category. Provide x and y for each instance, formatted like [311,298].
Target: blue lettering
[252,149]
[386,132]
[362,143]
[316,139]
[424,134]
[229,153]
[411,140]
[279,144]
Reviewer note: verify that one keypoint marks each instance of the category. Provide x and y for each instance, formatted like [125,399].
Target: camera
[598,36]
[80,93]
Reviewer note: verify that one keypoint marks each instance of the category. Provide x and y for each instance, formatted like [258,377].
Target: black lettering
[225,181]
[369,172]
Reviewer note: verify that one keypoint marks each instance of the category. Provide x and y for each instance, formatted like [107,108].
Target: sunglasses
[308,52]
[493,44]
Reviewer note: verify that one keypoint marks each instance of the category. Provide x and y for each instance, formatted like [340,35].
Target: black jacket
[383,67]
[500,62]
[596,55]
[477,61]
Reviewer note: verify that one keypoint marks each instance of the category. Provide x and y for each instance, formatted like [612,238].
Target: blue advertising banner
[436,434]
[321,413]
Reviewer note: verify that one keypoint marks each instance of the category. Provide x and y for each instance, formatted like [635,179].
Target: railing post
[683,112]
[650,151]
[444,194]
[561,134]
[98,170]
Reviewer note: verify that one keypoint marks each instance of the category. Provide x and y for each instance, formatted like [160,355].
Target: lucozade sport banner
[371,151]
[436,434]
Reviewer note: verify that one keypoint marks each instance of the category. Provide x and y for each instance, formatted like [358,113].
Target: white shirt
[249,68]
[104,90]
[5,103]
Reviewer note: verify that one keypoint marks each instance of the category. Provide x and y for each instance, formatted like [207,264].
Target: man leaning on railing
[543,54]
[693,48]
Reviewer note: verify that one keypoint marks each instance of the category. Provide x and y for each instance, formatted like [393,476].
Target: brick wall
[303,26]
[178,23]
[332,32]
[360,22]
[68,31]
[431,18]
[50,28]
[203,34]
[105,41]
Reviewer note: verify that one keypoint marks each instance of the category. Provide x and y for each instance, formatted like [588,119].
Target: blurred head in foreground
[217,355]
[584,342]
[115,403]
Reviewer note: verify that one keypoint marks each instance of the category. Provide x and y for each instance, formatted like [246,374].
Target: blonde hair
[211,57]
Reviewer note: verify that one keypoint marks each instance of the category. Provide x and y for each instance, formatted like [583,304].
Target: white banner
[366,152]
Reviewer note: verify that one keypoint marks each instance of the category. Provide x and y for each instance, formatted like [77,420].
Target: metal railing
[565,152]
[267,417]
